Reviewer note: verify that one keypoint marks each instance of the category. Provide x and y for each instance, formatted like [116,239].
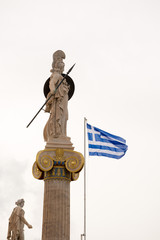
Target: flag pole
[85,121]
[84,232]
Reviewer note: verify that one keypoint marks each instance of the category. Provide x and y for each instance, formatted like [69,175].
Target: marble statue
[16,222]
[58,164]
[57,106]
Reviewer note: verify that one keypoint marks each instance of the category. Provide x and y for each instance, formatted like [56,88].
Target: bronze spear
[51,94]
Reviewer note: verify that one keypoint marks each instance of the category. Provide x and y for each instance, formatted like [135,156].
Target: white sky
[116,47]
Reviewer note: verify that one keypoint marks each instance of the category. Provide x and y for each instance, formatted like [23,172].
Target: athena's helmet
[58,57]
[59,54]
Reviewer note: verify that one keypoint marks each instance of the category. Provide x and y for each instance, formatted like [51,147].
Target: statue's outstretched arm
[25,222]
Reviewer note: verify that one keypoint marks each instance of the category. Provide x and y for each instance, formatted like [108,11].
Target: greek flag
[101,143]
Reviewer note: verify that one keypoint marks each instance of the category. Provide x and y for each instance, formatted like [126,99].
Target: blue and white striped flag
[101,143]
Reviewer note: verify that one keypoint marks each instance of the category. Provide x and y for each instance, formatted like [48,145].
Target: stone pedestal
[61,142]
[57,167]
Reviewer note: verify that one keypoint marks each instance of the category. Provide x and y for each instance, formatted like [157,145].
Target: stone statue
[16,222]
[57,106]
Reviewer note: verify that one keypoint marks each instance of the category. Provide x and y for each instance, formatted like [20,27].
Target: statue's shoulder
[22,211]
[18,210]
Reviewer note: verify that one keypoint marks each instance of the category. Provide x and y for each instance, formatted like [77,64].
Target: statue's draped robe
[58,106]
[16,224]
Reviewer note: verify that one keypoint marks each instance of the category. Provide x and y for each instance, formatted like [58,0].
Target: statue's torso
[16,222]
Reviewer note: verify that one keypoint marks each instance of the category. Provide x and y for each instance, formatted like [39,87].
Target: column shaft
[56,210]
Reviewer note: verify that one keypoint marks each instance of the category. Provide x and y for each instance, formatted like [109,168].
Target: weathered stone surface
[56,210]
[16,222]
[58,164]
[60,142]
[57,105]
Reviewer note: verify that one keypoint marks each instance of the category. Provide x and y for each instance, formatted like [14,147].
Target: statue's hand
[30,226]
[47,109]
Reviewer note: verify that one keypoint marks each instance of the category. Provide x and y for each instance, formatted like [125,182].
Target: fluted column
[56,210]
[57,167]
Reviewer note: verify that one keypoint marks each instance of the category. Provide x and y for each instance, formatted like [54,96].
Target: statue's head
[20,203]
[58,64]
[58,55]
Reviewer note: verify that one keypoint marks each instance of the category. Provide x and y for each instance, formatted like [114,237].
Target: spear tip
[70,69]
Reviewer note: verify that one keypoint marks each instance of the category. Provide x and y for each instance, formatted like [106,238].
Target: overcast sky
[116,47]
